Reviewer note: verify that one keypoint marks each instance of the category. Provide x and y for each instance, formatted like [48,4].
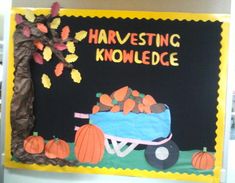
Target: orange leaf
[59,69]
[129,104]
[42,27]
[135,93]
[106,100]
[38,44]
[141,107]
[115,108]
[65,32]
[147,109]
[148,100]
[120,94]
[95,109]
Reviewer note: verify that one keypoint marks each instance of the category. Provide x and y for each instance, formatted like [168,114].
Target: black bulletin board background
[190,90]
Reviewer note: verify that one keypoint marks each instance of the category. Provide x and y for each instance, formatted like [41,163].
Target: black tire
[163,156]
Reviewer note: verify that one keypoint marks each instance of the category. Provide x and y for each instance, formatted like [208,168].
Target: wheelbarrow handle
[81,115]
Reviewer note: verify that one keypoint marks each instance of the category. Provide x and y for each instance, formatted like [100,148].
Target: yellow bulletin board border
[221,107]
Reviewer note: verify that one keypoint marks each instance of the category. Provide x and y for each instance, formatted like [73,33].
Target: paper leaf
[38,58]
[80,35]
[76,76]
[42,27]
[60,46]
[18,19]
[26,31]
[71,58]
[70,46]
[38,44]
[59,69]
[46,82]
[55,23]
[55,8]
[47,53]
[29,15]
[65,32]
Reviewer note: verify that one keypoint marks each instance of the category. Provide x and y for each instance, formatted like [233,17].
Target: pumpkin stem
[204,149]
[35,133]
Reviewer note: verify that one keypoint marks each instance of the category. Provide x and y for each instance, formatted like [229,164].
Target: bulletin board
[117,92]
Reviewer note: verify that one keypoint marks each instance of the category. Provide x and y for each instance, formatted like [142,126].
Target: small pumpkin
[57,148]
[34,144]
[203,160]
[89,144]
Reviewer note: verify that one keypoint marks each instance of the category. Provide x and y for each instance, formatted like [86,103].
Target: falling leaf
[38,44]
[76,76]
[55,8]
[42,27]
[71,47]
[59,69]
[18,19]
[55,23]
[26,31]
[29,15]
[38,58]
[81,35]
[46,82]
[65,32]
[47,53]
[60,46]
[71,58]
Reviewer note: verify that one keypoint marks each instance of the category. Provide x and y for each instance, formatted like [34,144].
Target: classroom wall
[197,6]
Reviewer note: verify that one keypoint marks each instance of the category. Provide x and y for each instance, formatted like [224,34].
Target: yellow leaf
[76,76]
[46,82]
[71,58]
[70,46]
[47,53]
[81,35]
[55,23]
[29,15]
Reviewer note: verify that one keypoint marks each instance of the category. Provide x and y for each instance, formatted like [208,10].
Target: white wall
[197,6]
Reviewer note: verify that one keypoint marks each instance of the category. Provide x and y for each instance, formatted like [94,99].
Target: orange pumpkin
[57,148]
[89,144]
[203,160]
[34,144]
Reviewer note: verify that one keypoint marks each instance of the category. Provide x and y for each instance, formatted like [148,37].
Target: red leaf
[38,58]
[55,8]
[18,19]
[60,46]
[42,27]
[65,32]
[38,44]
[26,31]
[59,69]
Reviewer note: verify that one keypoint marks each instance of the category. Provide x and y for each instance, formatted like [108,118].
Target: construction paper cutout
[34,144]
[60,46]
[47,53]
[38,44]
[26,31]
[121,93]
[80,35]
[70,58]
[59,69]
[57,148]
[29,15]
[76,76]
[135,93]
[163,156]
[203,160]
[128,106]
[89,144]
[149,100]
[95,109]
[81,115]
[55,8]
[46,81]
[18,19]
[38,58]
[115,108]
[42,27]
[55,23]
[65,32]
[106,100]
[70,46]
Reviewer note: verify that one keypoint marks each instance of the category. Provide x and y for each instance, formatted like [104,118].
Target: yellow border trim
[135,172]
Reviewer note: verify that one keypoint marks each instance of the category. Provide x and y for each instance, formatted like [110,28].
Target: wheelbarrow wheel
[163,156]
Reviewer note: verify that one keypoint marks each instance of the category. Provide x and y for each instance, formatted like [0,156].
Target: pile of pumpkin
[127,100]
